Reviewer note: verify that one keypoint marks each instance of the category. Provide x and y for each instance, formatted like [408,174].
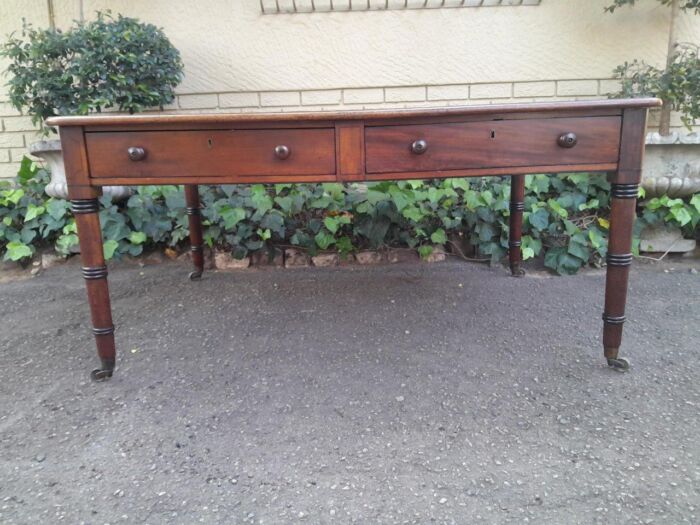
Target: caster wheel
[517,271]
[195,276]
[620,364]
[100,374]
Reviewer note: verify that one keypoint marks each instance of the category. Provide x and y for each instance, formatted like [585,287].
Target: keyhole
[210,142]
[493,133]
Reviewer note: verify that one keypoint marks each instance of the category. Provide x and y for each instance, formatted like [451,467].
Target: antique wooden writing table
[354,146]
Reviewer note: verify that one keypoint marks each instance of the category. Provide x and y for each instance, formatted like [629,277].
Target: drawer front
[492,144]
[215,153]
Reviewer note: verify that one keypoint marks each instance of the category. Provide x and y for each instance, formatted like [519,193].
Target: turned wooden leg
[619,259]
[195,223]
[517,205]
[95,273]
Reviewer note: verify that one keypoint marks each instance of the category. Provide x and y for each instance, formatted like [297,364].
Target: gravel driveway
[410,393]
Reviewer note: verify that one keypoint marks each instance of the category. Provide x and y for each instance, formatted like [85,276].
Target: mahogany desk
[354,146]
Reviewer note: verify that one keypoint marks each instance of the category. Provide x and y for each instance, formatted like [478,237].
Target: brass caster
[517,271]
[100,374]
[196,276]
[620,364]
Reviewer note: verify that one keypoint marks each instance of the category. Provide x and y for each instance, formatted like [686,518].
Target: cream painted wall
[229,46]
[237,59]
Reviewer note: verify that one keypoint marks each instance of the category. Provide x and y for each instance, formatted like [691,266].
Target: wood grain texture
[76,165]
[212,153]
[481,109]
[491,144]
[633,135]
[351,148]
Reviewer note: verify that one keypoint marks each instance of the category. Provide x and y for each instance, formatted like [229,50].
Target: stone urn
[50,151]
[671,167]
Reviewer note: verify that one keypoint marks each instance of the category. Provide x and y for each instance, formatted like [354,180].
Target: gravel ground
[411,393]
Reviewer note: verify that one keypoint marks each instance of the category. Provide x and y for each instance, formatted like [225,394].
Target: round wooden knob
[419,146]
[136,154]
[567,140]
[282,151]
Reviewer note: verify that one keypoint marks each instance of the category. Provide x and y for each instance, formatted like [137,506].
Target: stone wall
[237,58]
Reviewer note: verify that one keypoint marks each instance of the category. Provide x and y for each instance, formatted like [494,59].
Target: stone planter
[671,167]
[50,151]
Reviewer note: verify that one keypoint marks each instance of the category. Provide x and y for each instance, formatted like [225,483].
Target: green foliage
[678,86]
[686,5]
[108,62]
[27,218]
[674,211]
[565,218]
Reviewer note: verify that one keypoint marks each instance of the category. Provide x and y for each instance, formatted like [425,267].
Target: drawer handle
[136,154]
[567,140]
[419,146]
[282,151]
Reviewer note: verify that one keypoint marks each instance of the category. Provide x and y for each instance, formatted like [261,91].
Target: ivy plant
[565,219]
[104,63]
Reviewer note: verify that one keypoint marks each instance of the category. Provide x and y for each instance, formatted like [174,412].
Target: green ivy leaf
[557,208]
[579,250]
[530,247]
[17,250]
[264,234]
[374,196]
[232,216]
[137,237]
[539,219]
[344,245]
[108,248]
[680,215]
[57,208]
[14,196]
[695,202]
[568,264]
[261,200]
[462,184]
[425,251]
[285,203]
[324,239]
[413,213]
[332,223]
[596,238]
[439,236]
[65,243]
[551,258]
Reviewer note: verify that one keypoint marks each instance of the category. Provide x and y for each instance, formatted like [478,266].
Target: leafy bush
[565,217]
[678,83]
[108,62]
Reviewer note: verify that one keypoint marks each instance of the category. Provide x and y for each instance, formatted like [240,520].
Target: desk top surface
[482,109]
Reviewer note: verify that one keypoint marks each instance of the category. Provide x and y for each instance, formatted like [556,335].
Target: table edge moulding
[356,146]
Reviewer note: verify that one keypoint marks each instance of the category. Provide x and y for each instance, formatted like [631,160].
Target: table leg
[195,222]
[619,259]
[517,205]
[87,218]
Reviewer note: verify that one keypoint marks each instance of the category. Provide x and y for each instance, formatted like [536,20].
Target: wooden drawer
[215,153]
[491,144]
